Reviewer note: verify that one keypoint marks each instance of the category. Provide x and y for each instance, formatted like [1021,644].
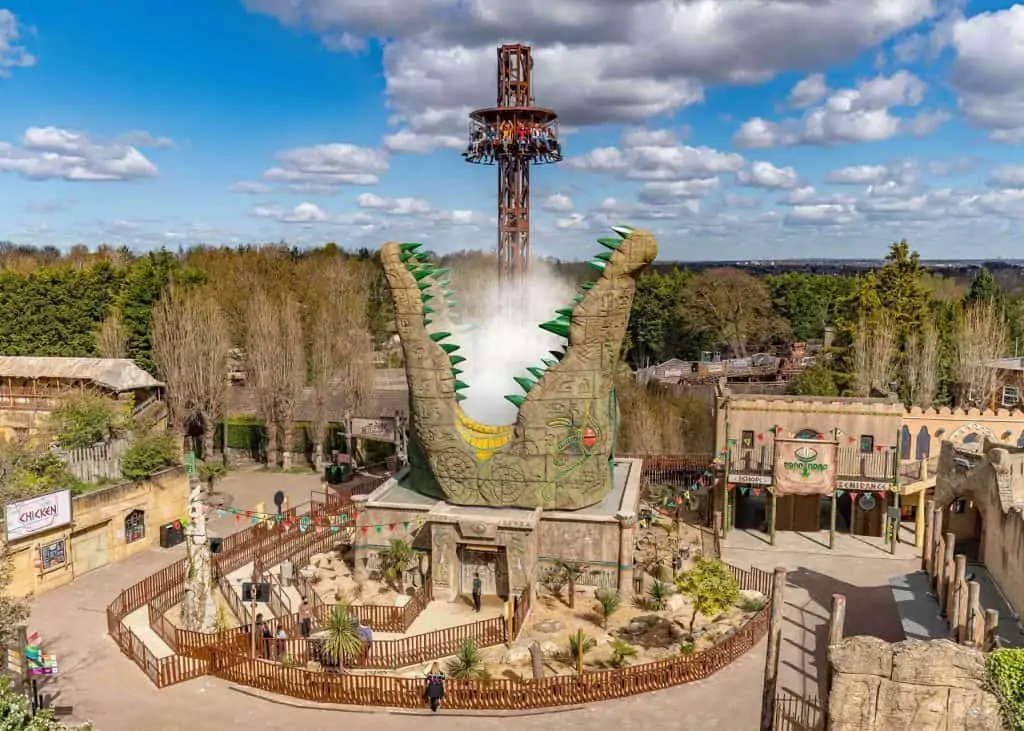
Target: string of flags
[319,523]
[677,500]
[781,431]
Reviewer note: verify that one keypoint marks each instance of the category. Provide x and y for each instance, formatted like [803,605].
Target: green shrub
[83,418]
[1006,678]
[710,587]
[147,455]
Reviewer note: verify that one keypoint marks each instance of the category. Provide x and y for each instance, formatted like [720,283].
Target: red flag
[391,526]
[363,529]
[757,491]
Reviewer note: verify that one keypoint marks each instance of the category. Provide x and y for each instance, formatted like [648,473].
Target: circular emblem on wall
[504,486]
[866,502]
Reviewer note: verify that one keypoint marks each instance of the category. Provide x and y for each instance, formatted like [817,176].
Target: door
[89,549]
[491,565]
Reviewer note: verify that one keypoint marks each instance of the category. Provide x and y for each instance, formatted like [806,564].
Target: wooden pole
[956,602]
[921,514]
[939,561]
[928,544]
[897,523]
[725,482]
[991,629]
[947,573]
[771,661]
[719,533]
[579,653]
[974,628]
[832,523]
[836,623]
[775,512]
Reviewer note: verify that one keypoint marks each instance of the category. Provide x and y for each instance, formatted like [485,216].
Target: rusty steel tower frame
[514,135]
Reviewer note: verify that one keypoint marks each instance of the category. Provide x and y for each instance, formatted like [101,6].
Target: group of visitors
[534,139]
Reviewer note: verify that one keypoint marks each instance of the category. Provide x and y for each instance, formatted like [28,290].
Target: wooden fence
[395,692]
[99,462]
[793,713]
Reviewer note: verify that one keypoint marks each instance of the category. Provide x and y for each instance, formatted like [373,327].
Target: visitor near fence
[477,588]
[435,687]
[305,618]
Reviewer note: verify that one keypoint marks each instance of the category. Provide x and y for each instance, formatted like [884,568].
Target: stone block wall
[909,686]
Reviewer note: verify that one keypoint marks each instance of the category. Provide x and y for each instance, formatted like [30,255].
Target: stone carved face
[556,454]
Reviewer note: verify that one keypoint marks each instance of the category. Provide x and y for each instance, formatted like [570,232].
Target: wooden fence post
[937,548]
[991,629]
[947,573]
[974,623]
[928,548]
[717,528]
[771,660]
[956,602]
[836,623]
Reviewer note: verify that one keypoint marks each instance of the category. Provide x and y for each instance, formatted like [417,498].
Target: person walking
[435,687]
[477,589]
[305,618]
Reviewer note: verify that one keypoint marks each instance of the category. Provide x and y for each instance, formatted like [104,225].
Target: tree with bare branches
[735,306]
[292,376]
[921,363]
[262,363]
[340,347]
[191,343]
[873,350]
[980,336]
[112,336]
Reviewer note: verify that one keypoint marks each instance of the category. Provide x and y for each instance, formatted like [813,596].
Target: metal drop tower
[513,135]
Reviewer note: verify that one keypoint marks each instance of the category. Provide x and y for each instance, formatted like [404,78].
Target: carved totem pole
[198,607]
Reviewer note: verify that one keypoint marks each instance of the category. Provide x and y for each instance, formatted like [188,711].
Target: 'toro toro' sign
[804,467]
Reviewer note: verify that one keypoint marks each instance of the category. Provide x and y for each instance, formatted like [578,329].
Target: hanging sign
[804,467]
[37,515]
[378,430]
[750,479]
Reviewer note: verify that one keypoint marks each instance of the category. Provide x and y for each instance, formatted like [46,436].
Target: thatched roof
[116,374]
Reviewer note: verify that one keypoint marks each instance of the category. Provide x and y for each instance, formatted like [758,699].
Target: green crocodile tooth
[457,371]
[559,326]
[612,244]
[604,256]
[422,256]
[426,322]
[557,354]
[524,383]
[428,310]
[441,272]
[548,362]
[456,359]
[409,246]
[564,311]
[622,231]
[421,274]
[449,347]
[598,264]
[459,385]
[439,336]
[426,297]
[515,400]
[587,286]
[577,299]
[537,373]
[423,286]
[447,292]
[460,397]
[405,257]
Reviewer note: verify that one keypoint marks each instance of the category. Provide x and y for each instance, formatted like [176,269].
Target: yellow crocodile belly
[485,439]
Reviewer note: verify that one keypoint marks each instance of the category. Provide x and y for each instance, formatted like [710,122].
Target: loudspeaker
[258,591]
[216,544]
[171,536]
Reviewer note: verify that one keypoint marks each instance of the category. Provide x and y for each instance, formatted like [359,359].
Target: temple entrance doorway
[491,563]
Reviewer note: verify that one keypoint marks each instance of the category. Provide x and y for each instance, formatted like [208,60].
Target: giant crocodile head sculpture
[558,453]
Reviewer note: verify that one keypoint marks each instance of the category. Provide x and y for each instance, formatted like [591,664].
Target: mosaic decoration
[558,453]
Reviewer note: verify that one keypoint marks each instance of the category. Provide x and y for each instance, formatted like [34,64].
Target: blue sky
[732,129]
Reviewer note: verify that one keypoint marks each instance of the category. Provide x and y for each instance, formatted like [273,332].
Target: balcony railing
[851,463]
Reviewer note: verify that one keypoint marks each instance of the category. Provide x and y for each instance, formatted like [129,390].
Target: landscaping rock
[547,628]
[651,630]
[675,604]
[549,649]
[516,656]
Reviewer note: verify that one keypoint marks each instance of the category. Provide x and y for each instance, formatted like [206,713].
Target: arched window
[972,438]
[135,526]
[808,434]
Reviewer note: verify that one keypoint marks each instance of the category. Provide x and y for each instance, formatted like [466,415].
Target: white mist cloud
[507,340]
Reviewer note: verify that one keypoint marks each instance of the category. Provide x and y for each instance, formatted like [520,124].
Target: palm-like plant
[572,570]
[608,603]
[468,663]
[621,651]
[396,559]
[343,639]
[657,595]
[589,643]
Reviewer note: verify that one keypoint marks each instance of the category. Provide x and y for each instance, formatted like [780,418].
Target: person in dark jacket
[478,586]
[435,687]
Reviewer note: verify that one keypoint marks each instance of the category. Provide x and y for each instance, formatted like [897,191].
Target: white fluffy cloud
[12,54]
[302,213]
[48,153]
[808,91]
[393,206]
[860,114]
[597,61]
[988,71]
[322,168]
[557,203]
[1008,176]
[765,175]
[659,157]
